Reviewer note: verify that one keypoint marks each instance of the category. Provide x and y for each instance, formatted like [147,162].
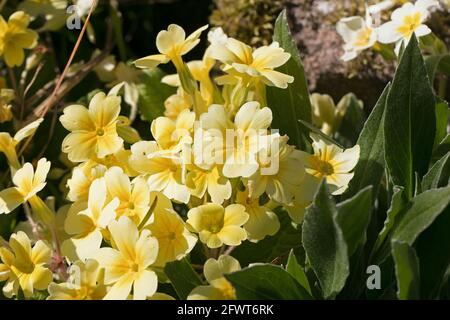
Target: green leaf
[442,114]
[437,63]
[291,104]
[266,282]
[288,237]
[397,204]
[420,214]
[324,243]
[353,217]
[152,94]
[433,249]
[296,271]
[371,165]
[438,175]
[410,120]
[183,277]
[406,270]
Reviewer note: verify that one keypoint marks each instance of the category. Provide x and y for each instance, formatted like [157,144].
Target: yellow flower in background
[235,145]
[85,282]
[94,130]
[82,177]
[8,144]
[127,264]
[405,21]
[281,171]
[200,182]
[164,171]
[134,196]
[219,288]
[27,184]
[331,162]
[85,222]
[174,239]
[262,221]
[172,45]
[27,265]
[170,134]
[358,35]
[260,64]
[15,37]
[6,96]
[303,198]
[217,225]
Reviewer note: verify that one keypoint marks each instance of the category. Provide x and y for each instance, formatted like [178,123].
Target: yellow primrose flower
[259,65]
[172,45]
[85,283]
[26,264]
[235,145]
[118,159]
[304,196]
[326,115]
[93,130]
[405,21]
[8,144]
[27,184]
[134,196]
[331,162]
[262,221]
[174,239]
[217,226]
[170,134]
[82,177]
[15,37]
[281,171]
[175,104]
[86,222]
[219,288]
[164,171]
[200,181]
[127,264]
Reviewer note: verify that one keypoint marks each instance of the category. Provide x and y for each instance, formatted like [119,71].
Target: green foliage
[410,120]
[291,104]
[182,277]
[266,282]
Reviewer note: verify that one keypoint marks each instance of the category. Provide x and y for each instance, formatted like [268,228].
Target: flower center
[100,132]
[171,236]
[410,24]
[324,167]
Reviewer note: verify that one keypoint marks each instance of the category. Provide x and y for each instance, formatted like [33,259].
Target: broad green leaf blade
[420,214]
[353,217]
[266,282]
[296,271]
[291,104]
[442,113]
[371,165]
[152,94]
[406,270]
[183,278]
[288,237]
[324,243]
[433,250]
[382,245]
[439,174]
[410,120]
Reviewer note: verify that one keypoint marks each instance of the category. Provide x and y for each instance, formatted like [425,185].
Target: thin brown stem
[54,95]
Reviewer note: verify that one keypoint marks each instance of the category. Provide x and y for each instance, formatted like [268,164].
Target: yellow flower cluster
[213,155]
